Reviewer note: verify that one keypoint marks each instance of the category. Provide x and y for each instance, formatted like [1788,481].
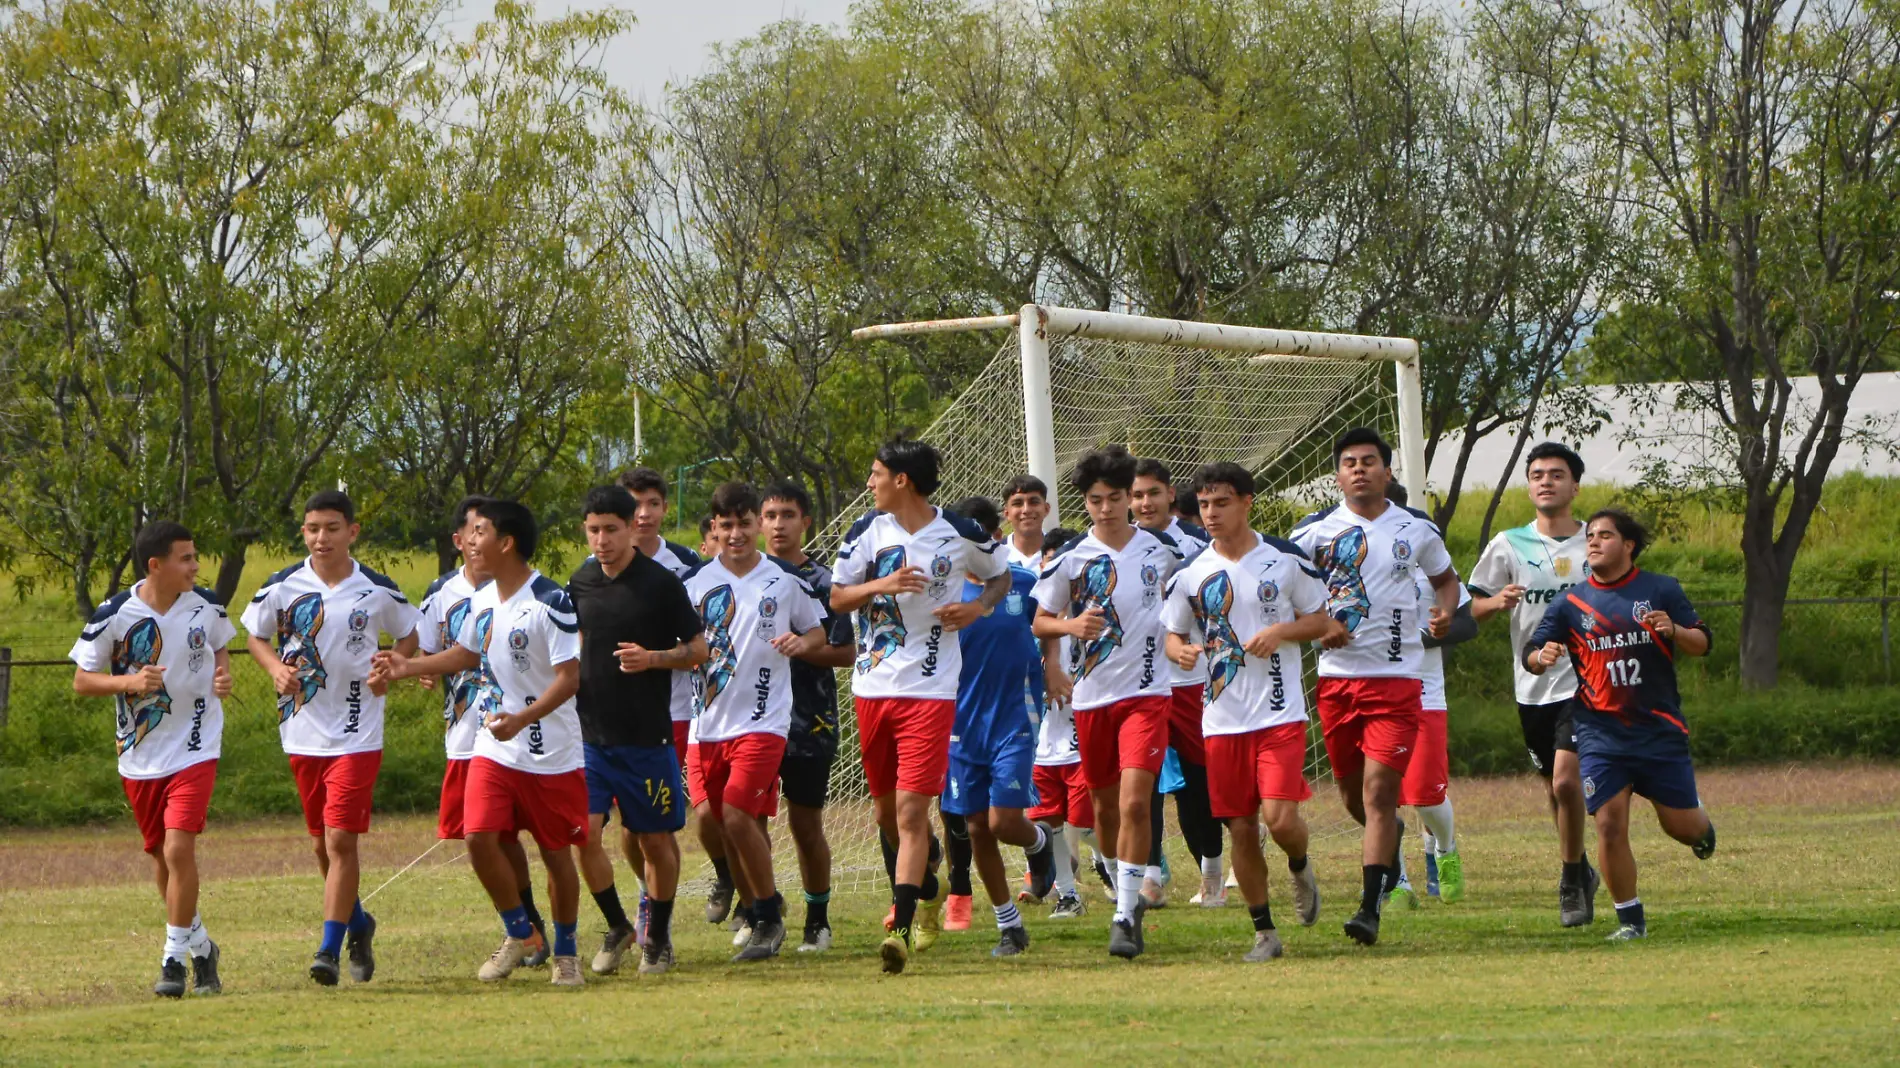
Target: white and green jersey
[1545,567]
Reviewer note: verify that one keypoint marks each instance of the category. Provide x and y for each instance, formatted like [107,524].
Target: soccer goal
[1064,381]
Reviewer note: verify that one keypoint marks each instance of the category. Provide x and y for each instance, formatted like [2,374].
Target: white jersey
[1191,540]
[680,560]
[1057,744]
[1369,566]
[182,722]
[1432,680]
[1018,558]
[745,685]
[328,633]
[902,651]
[1219,604]
[444,608]
[521,641]
[1545,567]
[1127,659]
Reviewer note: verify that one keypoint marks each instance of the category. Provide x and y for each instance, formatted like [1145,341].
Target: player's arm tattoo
[994,591]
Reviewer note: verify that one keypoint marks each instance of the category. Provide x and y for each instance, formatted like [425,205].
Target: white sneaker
[1306,895]
[819,943]
[567,972]
[1231,883]
[1213,895]
[503,961]
[742,936]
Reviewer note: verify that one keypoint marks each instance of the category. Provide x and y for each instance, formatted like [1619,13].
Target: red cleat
[956,912]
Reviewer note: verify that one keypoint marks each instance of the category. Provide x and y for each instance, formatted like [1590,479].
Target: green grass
[1779,950]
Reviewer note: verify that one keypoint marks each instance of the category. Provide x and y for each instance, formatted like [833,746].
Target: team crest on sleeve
[139,714]
[297,630]
[359,632]
[880,622]
[1346,596]
[768,618]
[1095,587]
[717,608]
[1213,606]
[195,641]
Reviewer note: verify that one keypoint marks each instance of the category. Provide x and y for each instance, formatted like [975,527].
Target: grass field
[1782,949]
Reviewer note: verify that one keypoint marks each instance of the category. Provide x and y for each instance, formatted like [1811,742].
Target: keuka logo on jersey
[761,693]
[195,742]
[1277,699]
[1147,661]
[1394,648]
[353,708]
[933,644]
[537,744]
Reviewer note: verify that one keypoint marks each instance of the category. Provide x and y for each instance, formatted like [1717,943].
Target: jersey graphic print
[297,630]
[464,686]
[717,608]
[138,714]
[1213,607]
[1095,587]
[1342,559]
[880,620]
[487,696]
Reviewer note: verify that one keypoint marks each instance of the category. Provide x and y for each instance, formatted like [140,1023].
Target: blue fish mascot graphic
[718,609]
[880,620]
[297,630]
[1213,603]
[139,714]
[486,695]
[464,687]
[1346,597]
[1095,587]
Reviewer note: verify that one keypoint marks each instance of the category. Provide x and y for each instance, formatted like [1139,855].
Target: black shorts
[805,780]
[1547,728]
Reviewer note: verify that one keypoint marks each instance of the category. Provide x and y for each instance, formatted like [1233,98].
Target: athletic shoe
[1306,895]
[1364,927]
[642,919]
[1213,895]
[1232,882]
[1577,905]
[1629,932]
[816,941]
[362,959]
[894,952]
[171,979]
[1011,942]
[538,948]
[567,972]
[719,902]
[1141,928]
[1154,894]
[1027,895]
[956,912]
[764,943]
[929,922]
[890,919]
[1395,869]
[656,958]
[1451,879]
[1042,869]
[742,936]
[502,963]
[204,973]
[1704,847]
[1266,947]
[323,968]
[1121,940]
[1107,877]
[1402,889]
[614,946]
[1431,869]
[1069,907]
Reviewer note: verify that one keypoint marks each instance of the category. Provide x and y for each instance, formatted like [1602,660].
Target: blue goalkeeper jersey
[1626,702]
[1001,678]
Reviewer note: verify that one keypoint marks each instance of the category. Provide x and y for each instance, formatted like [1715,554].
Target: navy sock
[1296,865]
[817,911]
[609,902]
[1632,914]
[768,911]
[1262,916]
[907,895]
[515,922]
[723,869]
[534,914]
[359,920]
[1375,875]
[930,887]
[564,940]
[1573,872]
[332,937]
[659,921]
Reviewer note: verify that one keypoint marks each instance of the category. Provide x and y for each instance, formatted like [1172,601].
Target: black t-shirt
[814,729]
[645,604]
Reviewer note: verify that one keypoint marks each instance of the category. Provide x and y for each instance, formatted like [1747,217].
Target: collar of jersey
[1632,573]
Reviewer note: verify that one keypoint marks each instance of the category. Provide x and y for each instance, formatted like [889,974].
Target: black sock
[659,921]
[534,914]
[1632,914]
[723,869]
[961,856]
[1706,843]
[769,910]
[817,911]
[889,849]
[609,902]
[1375,875]
[907,895]
[1296,865]
[1574,872]
[936,851]
[1262,916]
[930,887]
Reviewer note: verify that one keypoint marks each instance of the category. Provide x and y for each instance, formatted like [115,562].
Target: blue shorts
[1005,780]
[644,780]
[1667,780]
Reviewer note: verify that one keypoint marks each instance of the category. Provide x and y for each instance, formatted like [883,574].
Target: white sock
[1438,825]
[1153,871]
[1072,837]
[1087,834]
[1128,890]
[1210,869]
[1007,916]
[1042,839]
[200,941]
[1631,902]
[1065,869]
[177,945]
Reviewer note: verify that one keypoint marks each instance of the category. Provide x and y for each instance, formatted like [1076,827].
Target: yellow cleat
[929,923]
[895,953]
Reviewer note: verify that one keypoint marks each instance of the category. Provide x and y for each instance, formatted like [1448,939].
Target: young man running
[1245,605]
[637,628]
[522,634]
[811,741]
[758,614]
[1026,509]
[993,747]
[1062,793]
[1370,663]
[444,608]
[901,568]
[1154,499]
[158,649]
[1622,630]
[1524,571]
[1104,593]
[325,613]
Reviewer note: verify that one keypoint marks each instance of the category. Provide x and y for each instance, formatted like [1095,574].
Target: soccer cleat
[895,953]
[1306,895]
[956,912]
[1364,927]
[1266,947]
[764,943]
[1121,940]
[718,902]
[1042,870]
[929,923]
[1141,928]
[1402,889]
[171,979]
[1069,907]
[362,958]
[538,948]
[1213,895]
[614,946]
[643,919]
[1011,942]
[1451,879]
[1154,894]
[323,968]
[742,936]
[1027,895]
[1395,872]
[1431,869]
[1704,847]
[656,958]
[1107,877]
[567,972]
[890,919]
[1577,905]
[818,941]
[204,973]
[502,963]
[1629,932]
[1232,882]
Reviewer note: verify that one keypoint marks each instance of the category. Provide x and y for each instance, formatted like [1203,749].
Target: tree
[1764,241]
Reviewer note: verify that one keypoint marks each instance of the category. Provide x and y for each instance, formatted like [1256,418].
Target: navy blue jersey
[1626,700]
[1002,670]
[814,730]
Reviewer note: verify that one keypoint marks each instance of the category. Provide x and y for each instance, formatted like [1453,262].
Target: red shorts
[905,743]
[741,772]
[501,799]
[681,728]
[1373,718]
[1061,794]
[177,802]
[1132,733]
[1430,769]
[448,823]
[336,790]
[1264,765]
[1184,725]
